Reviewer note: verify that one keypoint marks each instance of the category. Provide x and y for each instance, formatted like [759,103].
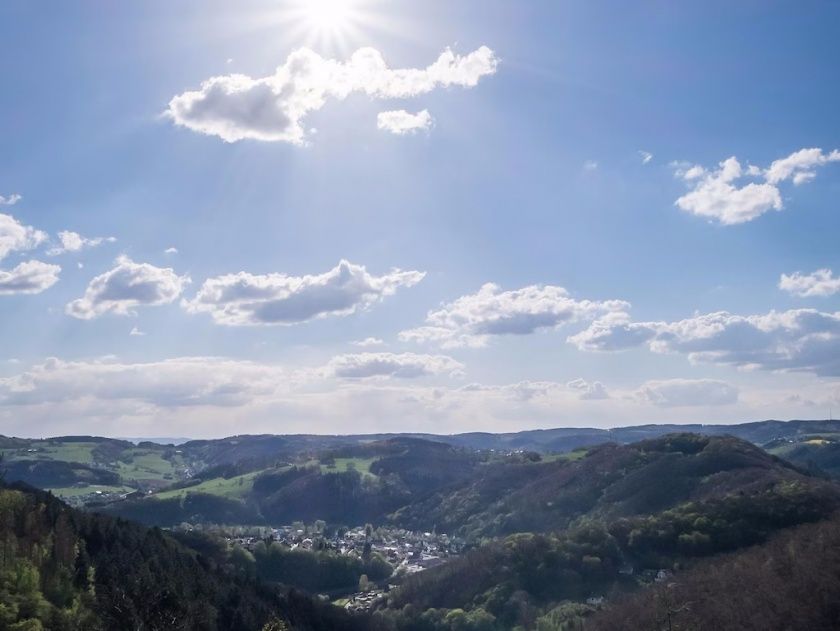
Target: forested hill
[791,582]
[81,469]
[62,569]
[604,525]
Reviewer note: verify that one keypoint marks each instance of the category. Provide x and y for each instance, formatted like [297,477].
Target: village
[408,552]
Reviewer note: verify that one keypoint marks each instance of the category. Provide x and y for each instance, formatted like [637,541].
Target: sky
[358,216]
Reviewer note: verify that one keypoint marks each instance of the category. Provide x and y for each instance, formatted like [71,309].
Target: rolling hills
[96,468]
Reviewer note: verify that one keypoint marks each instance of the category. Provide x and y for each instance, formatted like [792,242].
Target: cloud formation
[398,365]
[16,237]
[368,341]
[471,320]
[401,122]
[10,200]
[172,383]
[74,242]
[732,194]
[127,286]
[817,284]
[273,108]
[31,277]
[589,391]
[212,396]
[277,299]
[799,340]
[688,393]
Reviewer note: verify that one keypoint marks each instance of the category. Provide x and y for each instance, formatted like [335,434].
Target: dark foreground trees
[61,569]
[790,583]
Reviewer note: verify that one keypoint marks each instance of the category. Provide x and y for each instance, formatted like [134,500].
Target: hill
[609,481]
[422,485]
[607,524]
[790,582]
[90,463]
[65,569]
[350,485]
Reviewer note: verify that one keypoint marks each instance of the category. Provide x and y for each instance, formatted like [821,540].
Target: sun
[329,16]
[333,27]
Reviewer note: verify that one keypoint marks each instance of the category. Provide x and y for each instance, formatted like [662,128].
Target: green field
[74,491]
[569,456]
[234,488]
[137,467]
[49,450]
[149,465]
[816,440]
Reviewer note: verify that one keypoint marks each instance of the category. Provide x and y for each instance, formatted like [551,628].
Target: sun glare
[333,27]
[329,16]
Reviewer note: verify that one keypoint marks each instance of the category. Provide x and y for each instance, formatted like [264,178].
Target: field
[234,488]
[138,468]
[74,491]
[53,450]
[570,456]
[150,466]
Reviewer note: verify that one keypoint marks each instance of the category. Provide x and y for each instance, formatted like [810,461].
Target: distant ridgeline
[85,469]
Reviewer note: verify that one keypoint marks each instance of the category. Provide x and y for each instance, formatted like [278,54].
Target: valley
[452,531]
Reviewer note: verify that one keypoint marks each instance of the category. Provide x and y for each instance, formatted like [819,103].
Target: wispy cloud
[74,242]
[400,122]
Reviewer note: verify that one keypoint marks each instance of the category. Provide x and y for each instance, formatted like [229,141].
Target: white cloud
[211,396]
[522,391]
[589,391]
[800,340]
[688,392]
[247,299]
[10,200]
[614,332]
[716,196]
[368,341]
[732,194]
[590,165]
[127,286]
[192,381]
[800,165]
[74,242]
[402,365]
[135,332]
[646,156]
[15,237]
[401,122]
[171,251]
[274,108]
[471,320]
[31,277]
[819,283]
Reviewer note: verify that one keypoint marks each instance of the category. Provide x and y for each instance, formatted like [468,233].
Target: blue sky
[569,153]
